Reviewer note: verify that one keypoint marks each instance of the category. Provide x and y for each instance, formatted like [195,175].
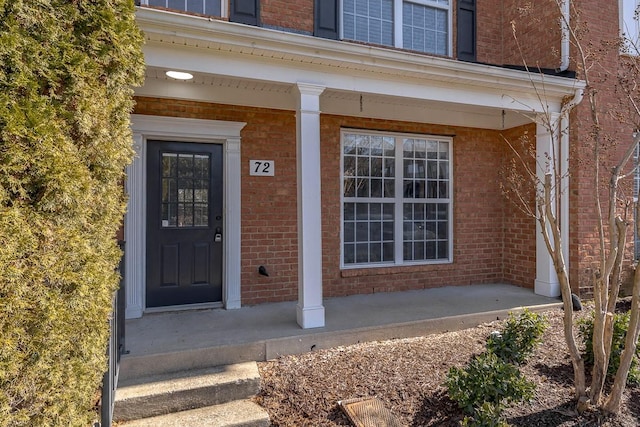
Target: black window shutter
[245,11]
[467,30]
[325,23]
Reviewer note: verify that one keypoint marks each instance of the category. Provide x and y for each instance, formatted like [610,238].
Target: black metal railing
[115,349]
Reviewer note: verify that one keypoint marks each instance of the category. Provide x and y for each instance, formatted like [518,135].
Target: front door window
[185,190]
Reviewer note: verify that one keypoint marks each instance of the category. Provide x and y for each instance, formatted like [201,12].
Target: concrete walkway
[192,339]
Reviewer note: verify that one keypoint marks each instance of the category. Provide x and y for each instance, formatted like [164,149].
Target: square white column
[549,157]
[310,311]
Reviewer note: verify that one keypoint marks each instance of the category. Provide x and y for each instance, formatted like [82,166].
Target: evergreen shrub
[620,327]
[66,75]
[519,337]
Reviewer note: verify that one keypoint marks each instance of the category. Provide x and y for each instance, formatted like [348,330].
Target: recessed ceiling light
[179,75]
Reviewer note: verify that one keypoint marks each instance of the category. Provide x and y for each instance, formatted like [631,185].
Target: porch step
[240,413]
[209,391]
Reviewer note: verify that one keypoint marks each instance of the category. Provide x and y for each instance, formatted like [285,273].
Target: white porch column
[551,152]
[310,311]
[232,254]
[135,231]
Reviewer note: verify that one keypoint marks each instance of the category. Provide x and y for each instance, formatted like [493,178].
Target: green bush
[487,379]
[66,71]
[519,337]
[487,415]
[620,326]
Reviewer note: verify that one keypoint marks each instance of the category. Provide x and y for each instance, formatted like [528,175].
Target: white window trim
[398,22]
[185,130]
[398,213]
[629,27]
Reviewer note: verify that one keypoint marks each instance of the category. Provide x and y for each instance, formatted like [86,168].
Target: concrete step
[239,413]
[182,391]
[142,365]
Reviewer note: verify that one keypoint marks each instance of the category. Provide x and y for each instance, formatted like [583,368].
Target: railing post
[115,347]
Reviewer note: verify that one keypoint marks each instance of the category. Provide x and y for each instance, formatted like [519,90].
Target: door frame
[184,130]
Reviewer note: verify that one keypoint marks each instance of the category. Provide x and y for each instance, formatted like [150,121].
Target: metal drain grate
[368,412]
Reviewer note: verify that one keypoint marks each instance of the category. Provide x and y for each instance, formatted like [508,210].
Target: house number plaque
[261,167]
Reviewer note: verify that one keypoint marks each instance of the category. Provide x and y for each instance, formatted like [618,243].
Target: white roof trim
[196,31]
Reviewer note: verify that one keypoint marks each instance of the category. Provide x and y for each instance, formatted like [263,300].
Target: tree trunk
[551,230]
[612,404]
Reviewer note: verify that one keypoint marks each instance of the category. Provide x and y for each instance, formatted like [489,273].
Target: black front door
[184,223]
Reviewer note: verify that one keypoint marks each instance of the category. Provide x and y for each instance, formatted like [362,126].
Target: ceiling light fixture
[179,75]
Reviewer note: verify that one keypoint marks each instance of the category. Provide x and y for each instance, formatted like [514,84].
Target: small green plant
[620,326]
[519,337]
[487,379]
[487,415]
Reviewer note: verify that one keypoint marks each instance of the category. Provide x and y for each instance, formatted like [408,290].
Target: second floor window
[422,25]
[630,25]
[203,7]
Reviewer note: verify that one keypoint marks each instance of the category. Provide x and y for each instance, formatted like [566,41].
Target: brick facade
[494,241]
[484,245]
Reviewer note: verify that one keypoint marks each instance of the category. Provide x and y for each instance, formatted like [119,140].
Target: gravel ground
[407,376]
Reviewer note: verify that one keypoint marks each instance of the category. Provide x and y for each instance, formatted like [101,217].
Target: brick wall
[489,34]
[269,225]
[291,14]
[269,229]
[478,214]
[537,29]
[519,256]
[600,31]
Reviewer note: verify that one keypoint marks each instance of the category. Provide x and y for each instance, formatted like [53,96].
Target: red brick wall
[296,14]
[269,210]
[477,222]
[269,230]
[519,258]
[600,31]
[489,44]
[537,29]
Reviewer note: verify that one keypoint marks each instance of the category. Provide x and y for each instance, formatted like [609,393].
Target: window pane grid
[368,166]
[370,216]
[368,21]
[426,169]
[425,28]
[368,233]
[185,190]
[203,7]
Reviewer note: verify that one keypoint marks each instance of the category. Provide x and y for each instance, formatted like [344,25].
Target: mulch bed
[407,376]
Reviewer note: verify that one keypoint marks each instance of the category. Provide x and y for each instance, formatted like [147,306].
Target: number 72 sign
[261,167]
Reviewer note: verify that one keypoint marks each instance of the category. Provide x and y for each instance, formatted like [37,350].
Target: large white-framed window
[396,199]
[630,25]
[202,7]
[421,25]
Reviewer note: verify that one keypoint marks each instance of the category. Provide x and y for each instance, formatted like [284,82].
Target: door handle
[218,236]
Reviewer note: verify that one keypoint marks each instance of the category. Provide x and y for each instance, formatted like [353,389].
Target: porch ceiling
[252,66]
[254,93]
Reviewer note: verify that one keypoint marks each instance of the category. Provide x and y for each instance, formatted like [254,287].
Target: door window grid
[422,25]
[203,7]
[372,212]
[185,190]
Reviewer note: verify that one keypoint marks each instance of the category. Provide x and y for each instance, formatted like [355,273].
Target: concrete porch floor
[174,341]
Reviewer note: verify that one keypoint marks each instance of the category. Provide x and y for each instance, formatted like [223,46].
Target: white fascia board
[224,48]
[268,70]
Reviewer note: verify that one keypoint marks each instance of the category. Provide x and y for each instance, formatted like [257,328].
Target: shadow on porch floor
[174,341]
